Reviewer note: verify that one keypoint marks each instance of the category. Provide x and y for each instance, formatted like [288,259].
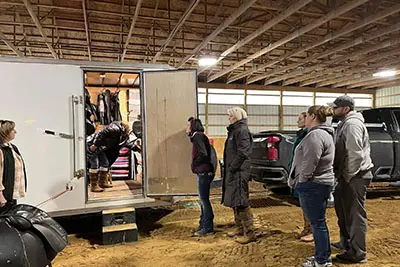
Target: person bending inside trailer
[103,149]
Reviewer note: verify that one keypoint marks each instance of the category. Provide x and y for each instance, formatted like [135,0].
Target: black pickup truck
[272,150]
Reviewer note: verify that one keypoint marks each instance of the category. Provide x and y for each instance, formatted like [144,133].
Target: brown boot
[247,238]
[109,178]
[247,221]
[93,183]
[238,231]
[103,179]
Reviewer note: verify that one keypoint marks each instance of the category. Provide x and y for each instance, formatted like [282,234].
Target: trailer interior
[124,88]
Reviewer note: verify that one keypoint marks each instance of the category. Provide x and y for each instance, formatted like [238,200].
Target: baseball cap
[343,101]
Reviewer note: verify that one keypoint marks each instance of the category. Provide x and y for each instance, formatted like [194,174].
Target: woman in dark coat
[235,187]
[12,168]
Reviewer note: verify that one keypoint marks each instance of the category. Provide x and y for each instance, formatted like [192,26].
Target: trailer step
[119,225]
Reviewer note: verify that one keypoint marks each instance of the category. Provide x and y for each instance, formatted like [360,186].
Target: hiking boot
[303,233]
[103,179]
[237,232]
[349,258]
[307,238]
[245,239]
[94,187]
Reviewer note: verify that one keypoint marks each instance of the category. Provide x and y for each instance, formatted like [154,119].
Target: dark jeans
[98,159]
[207,215]
[313,201]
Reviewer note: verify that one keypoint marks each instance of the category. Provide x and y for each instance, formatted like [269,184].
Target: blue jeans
[98,159]
[207,215]
[313,200]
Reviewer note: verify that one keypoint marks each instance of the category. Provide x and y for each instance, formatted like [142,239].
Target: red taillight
[272,151]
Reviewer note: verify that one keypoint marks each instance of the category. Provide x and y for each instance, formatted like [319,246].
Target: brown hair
[126,127]
[304,114]
[5,129]
[320,112]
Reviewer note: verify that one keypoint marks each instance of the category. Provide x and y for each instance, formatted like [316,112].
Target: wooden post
[206,110]
[281,110]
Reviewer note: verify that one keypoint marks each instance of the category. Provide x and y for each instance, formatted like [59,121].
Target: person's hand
[93,148]
[3,201]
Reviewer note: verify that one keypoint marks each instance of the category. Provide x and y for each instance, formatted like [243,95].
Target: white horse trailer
[46,100]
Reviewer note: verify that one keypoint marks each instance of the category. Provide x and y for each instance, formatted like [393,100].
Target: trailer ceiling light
[207,61]
[385,73]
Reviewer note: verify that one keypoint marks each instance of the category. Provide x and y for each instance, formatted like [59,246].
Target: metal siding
[218,119]
[216,130]
[267,110]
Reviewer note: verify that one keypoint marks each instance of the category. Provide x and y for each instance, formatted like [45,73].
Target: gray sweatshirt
[352,147]
[313,158]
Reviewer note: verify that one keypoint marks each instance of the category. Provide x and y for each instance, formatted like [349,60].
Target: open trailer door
[50,128]
[169,98]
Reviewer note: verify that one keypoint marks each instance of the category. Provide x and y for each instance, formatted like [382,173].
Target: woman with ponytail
[313,178]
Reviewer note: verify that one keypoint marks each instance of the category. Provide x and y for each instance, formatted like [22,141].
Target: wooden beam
[279,18]
[385,44]
[87,29]
[387,83]
[318,22]
[18,17]
[10,45]
[246,5]
[347,29]
[177,27]
[322,76]
[277,88]
[29,7]
[133,22]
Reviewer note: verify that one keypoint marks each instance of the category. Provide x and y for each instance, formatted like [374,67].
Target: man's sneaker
[337,246]
[313,263]
[347,257]
[203,232]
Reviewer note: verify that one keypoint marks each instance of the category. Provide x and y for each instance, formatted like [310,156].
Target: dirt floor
[165,236]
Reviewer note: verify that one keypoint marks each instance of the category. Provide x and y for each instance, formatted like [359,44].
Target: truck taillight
[272,151]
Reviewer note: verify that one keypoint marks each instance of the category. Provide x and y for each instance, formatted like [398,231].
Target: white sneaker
[313,263]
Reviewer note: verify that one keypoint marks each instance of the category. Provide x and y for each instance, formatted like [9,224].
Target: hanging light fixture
[207,61]
[385,73]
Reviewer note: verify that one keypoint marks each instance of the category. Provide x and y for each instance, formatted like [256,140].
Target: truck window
[372,116]
[397,115]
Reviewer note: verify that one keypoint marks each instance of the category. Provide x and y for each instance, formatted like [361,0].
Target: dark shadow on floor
[147,219]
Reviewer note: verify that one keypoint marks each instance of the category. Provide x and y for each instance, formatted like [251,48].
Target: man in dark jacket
[103,148]
[352,168]
[235,186]
[203,168]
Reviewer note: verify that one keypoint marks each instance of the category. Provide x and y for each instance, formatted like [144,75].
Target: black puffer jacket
[235,188]
[110,139]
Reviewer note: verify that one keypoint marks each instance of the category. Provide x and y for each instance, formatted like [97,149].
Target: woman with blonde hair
[235,187]
[313,178]
[12,168]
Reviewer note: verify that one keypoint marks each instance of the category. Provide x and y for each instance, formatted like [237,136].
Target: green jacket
[300,134]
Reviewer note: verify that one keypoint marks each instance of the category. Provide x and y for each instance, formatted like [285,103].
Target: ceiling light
[385,73]
[207,61]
